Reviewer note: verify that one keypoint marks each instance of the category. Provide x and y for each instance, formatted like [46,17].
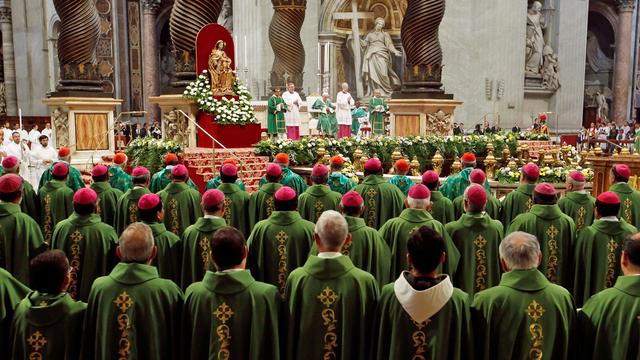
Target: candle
[235,50]
[319,57]
[245,51]
[20,117]
[326,57]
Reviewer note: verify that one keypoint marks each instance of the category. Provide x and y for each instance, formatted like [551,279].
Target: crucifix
[354,16]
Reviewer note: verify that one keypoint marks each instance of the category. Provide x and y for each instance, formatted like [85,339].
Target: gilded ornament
[438,162]
[222,76]
[490,165]
[415,166]
[456,167]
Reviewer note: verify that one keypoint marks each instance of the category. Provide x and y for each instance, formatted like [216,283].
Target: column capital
[5,14]
[150,6]
[626,5]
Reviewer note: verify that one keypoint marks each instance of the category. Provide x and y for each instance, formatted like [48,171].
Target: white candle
[326,57]
[245,51]
[20,117]
[235,50]
[319,57]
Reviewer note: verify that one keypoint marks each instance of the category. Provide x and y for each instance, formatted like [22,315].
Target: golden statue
[222,76]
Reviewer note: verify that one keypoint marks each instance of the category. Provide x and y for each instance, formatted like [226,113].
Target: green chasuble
[356,115]
[230,315]
[327,122]
[20,241]
[90,247]
[331,309]
[524,316]
[290,179]
[455,185]
[578,206]
[162,178]
[56,202]
[195,249]
[119,179]
[340,183]
[74,182]
[215,182]
[629,203]
[108,203]
[236,207]
[30,203]
[134,295]
[608,322]
[181,206]
[261,203]
[275,117]
[477,237]
[396,233]
[53,323]
[169,250]
[517,202]
[597,257]
[127,212]
[316,200]
[278,245]
[492,208]
[444,335]
[376,118]
[12,292]
[382,201]
[556,233]
[402,182]
[441,208]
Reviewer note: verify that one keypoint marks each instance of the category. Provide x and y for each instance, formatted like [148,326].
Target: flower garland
[553,175]
[150,152]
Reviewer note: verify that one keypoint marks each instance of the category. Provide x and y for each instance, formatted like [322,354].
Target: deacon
[477,237]
[422,301]
[281,243]
[492,208]
[30,203]
[382,201]
[378,109]
[525,316]
[215,182]
[19,149]
[275,119]
[441,207]
[134,295]
[455,184]
[577,203]
[196,238]
[20,235]
[289,178]
[41,158]
[555,231]
[520,201]
[629,198]
[48,317]
[319,197]
[56,200]
[396,232]
[236,201]
[261,202]
[88,242]
[597,249]
[608,320]
[293,102]
[127,208]
[246,312]
[181,202]
[12,292]
[162,178]
[107,195]
[327,123]
[344,103]
[118,178]
[331,302]
[338,181]
[74,181]
[400,178]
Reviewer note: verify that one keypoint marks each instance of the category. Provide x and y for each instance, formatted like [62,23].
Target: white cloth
[24,135]
[21,151]
[49,134]
[610,218]
[422,304]
[38,157]
[329,255]
[7,135]
[293,101]
[344,103]
[34,135]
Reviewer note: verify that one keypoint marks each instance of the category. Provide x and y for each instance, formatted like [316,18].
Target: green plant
[150,152]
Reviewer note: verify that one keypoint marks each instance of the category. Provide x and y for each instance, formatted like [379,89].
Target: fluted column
[151,58]
[284,37]
[622,70]
[9,62]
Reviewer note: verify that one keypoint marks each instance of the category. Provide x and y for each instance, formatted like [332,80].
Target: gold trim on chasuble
[419,338]
[173,212]
[133,212]
[627,211]
[228,211]
[529,204]
[328,297]
[47,222]
[319,207]
[481,263]
[612,246]
[282,238]
[223,313]
[75,237]
[37,341]
[205,252]
[552,247]
[535,311]
[371,207]
[99,209]
[580,219]
[123,303]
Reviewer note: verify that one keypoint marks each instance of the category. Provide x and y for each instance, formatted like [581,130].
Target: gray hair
[332,229]
[136,243]
[418,203]
[343,84]
[577,184]
[472,207]
[324,93]
[520,251]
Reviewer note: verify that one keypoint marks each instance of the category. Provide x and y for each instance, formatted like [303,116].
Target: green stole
[20,241]
[578,207]
[108,203]
[127,212]
[316,200]
[119,179]
[236,203]
[275,118]
[517,202]
[382,201]
[181,206]
[261,203]
[169,252]
[441,208]
[196,251]
[629,203]
[377,118]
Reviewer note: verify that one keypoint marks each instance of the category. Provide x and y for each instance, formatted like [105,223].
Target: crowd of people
[605,134]
[144,266]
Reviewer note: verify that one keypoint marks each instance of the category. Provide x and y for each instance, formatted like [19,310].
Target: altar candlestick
[20,117]
[319,53]
[326,57]
[245,51]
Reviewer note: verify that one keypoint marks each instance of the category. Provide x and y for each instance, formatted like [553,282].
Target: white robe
[23,154]
[38,157]
[422,305]
[33,138]
[292,116]
[344,103]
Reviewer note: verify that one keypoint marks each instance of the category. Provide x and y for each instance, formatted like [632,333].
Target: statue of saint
[535,39]
[377,62]
[603,106]
[222,77]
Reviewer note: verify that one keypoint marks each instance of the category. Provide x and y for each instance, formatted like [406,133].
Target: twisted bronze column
[284,36]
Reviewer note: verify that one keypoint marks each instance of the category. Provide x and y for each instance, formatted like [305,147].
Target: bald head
[520,251]
[331,231]
[136,244]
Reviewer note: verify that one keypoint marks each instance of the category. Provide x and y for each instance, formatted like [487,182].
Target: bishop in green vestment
[525,316]
[12,292]
[236,201]
[338,181]
[196,239]
[378,109]
[275,118]
[119,179]
[215,182]
[56,200]
[246,313]
[477,237]
[162,178]
[289,178]
[48,323]
[181,203]
[357,114]
[455,185]
[421,315]
[441,207]
[261,203]
[331,302]
[629,197]
[492,208]
[401,180]
[327,122]
[319,197]
[107,195]
[577,203]
[520,201]
[133,294]
[127,208]
[88,243]
[74,180]
[30,203]
[382,201]
[597,249]
[281,243]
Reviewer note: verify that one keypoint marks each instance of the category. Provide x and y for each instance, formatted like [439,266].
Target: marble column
[622,70]
[9,62]
[151,57]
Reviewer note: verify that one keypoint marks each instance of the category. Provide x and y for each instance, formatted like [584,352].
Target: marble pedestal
[169,105]
[416,116]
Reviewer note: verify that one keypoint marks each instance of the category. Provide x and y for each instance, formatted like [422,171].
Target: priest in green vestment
[629,197]
[525,316]
[127,208]
[74,180]
[133,294]
[236,201]
[20,236]
[246,313]
[331,302]
[196,238]
[12,292]
[400,179]
[356,114]
[327,122]
[441,207]
[88,242]
[577,203]
[289,178]
[281,243]
[275,118]
[378,110]
[48,323]
[555,231]
[118,178]
[30,203]
[261,202]
[107,194]
[477,237]
[520,201]
[215,182]
[597,249]
[455,185]
[162,178]
[181,203]
[167,260]
[382,201]
[608,322]
[421,315]
[319,197]
[56,200]
[338,181]
[492,208]
[396,232]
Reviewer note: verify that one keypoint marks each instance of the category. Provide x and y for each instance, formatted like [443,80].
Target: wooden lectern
[602,171]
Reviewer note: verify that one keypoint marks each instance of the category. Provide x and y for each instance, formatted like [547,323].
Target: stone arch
[605,11]
[392,10]
[53,31]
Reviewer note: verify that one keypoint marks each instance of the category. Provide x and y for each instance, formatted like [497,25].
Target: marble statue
[226,15]
[61,124]
[550,74]
[603,106]
[535,39]
[3,99]
[222,77]
[597,60]
[177,127]
[439,123]
[377,62]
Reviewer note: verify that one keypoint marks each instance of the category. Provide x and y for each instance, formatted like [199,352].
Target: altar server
[344,103]
[292,117]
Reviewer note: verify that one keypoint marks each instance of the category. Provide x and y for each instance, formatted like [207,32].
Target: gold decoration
[612,246]
[535,311]
[329,319]
[552,246]
[597,151]
[625,151]
[37,341]
[75,237]
[506,154]
[580,219]
[438,162]
[415,166]
[456,167]
[419,339]
[321,152]
[47,226]
[123,302]
[319,207]
[548,159]
[205,252]
[228,211]
[133,212]
[357,160]
[269,205]
[627,210]
[541,155]
[490,165]
[512,165]
[395,156]
[481,263]
[174,216]
[371,207]
[525,154]
[363,160]
[438,122]
[490,147]
[222,76]
[282,238]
